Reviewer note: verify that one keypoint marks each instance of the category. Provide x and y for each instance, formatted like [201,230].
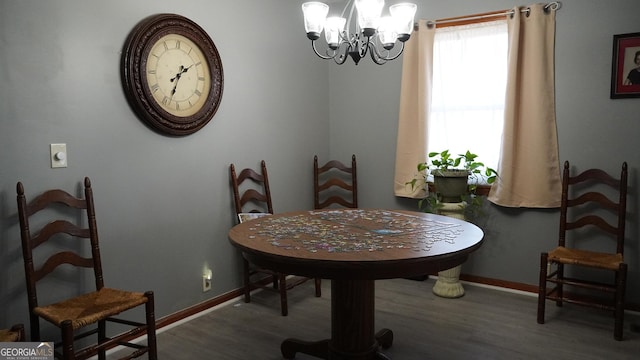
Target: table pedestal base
[352,327]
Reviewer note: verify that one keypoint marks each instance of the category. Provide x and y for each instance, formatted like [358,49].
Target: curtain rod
[461,20]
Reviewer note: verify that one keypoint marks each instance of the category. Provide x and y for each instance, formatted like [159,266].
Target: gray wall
[164,205]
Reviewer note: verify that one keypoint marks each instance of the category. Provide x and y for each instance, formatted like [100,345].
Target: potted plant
[455,179]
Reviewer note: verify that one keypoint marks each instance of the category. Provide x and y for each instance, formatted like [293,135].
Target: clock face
[177,75]
[172,74]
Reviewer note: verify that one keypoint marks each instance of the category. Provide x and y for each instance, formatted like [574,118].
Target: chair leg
[102,337]
[542,287]
[318,283]
[560,287]
[35,327]
[621,280]
[247,282]
[151,326]
[67,341]
[282,280]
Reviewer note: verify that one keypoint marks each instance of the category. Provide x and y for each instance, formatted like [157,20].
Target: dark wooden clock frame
[134,59]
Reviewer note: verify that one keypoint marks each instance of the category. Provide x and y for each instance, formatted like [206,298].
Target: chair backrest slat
[584,204]
[64,257]
[335,183]
[57,231]
[244,193]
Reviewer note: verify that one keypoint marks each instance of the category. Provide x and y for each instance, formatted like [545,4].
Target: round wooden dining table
[353,248]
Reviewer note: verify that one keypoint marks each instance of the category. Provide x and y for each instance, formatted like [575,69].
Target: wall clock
[172,74]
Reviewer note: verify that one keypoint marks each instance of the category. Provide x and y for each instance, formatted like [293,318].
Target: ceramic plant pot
[450,185]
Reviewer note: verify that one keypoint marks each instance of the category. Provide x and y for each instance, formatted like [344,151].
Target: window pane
[469,82]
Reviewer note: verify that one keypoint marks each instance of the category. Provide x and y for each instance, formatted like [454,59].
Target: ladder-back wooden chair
[334,184]
[58,245]
[592,231]
[252,197]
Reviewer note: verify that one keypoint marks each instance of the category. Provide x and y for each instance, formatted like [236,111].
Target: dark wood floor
[483,324]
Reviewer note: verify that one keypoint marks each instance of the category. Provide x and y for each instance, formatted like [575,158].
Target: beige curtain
[529,167]
[415,99]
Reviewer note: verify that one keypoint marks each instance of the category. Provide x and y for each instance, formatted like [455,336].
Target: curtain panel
[415,104]
[529,166]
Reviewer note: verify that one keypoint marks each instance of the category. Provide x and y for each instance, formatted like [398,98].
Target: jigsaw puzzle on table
[355,230]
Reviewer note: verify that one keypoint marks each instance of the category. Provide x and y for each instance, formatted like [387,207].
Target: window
[469,84]
[453,115]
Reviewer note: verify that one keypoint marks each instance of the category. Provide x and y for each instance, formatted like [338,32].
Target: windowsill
[482,190]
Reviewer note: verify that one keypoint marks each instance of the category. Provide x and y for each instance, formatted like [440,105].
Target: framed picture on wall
[625,66]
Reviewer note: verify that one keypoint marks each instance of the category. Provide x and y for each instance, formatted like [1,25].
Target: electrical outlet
[206,280]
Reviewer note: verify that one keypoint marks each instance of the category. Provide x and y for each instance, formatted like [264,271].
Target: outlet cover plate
[206,280]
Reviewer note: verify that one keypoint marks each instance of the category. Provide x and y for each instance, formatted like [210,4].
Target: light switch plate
[58,155]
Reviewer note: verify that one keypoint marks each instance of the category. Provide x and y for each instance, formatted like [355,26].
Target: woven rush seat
[586,258]
[16,333]
[7,335]
[89,308]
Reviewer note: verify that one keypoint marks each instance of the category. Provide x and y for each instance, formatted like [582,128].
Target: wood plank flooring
[483,324]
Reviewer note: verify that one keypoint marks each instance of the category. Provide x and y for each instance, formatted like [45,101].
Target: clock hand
[176,78]
[182,71]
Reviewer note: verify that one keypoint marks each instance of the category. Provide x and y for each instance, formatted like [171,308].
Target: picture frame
[625,66]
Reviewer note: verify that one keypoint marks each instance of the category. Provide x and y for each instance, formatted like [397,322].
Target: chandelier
[371,33]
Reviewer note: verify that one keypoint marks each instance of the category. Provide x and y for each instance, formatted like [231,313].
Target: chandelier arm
[313,45]
[363,48]
[375,55]
[343,56]
[379,59]
[396,55]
